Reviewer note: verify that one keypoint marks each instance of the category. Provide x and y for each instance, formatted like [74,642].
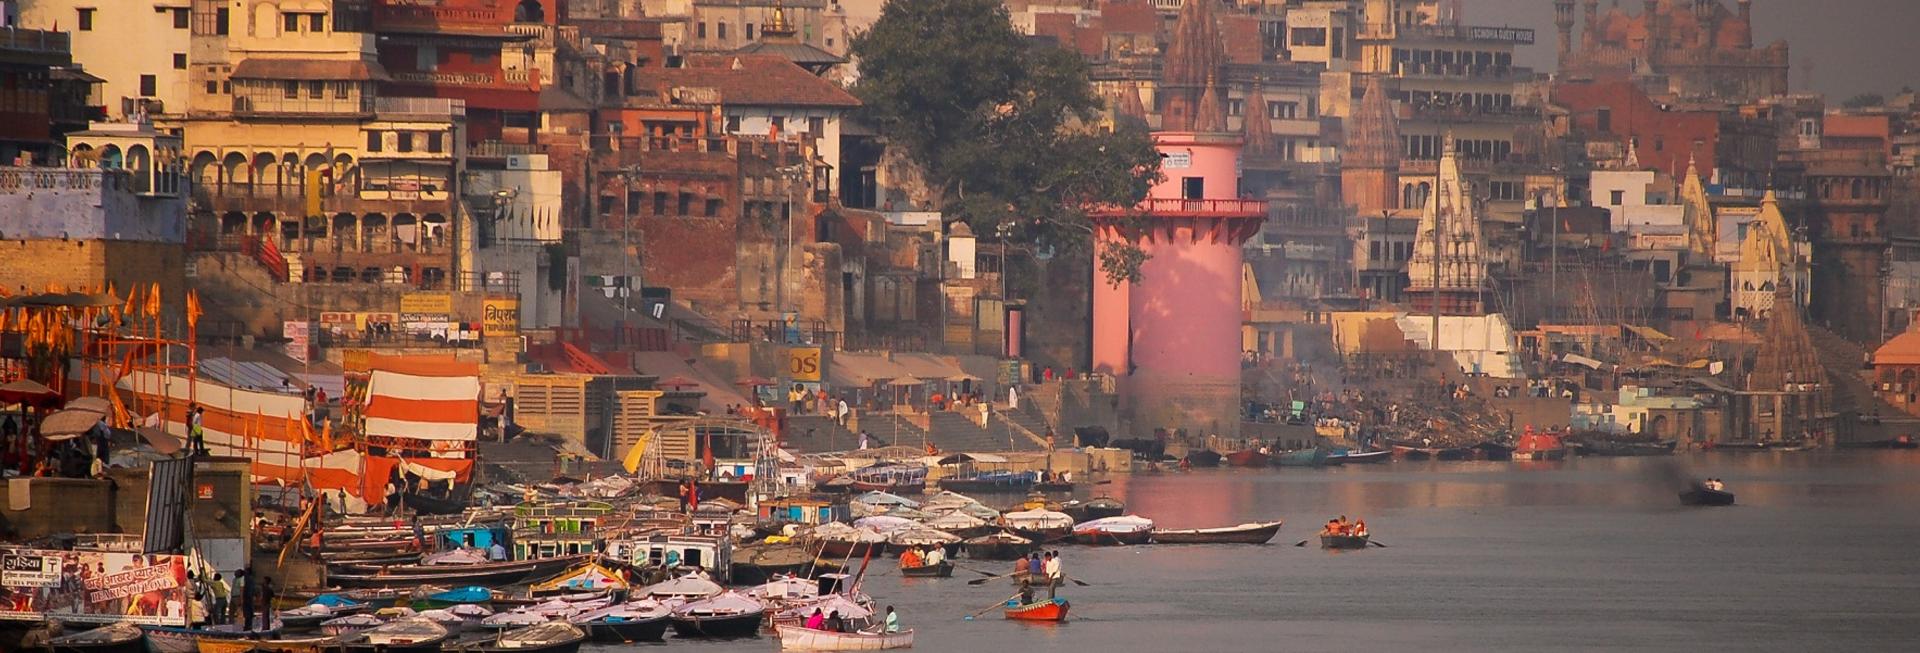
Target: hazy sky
[1845,47]
[1848,46]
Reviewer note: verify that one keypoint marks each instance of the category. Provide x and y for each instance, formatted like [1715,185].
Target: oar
[1076,581]
[1301,543]
[989,608]
[1377,544]
[978,581]
[982,572]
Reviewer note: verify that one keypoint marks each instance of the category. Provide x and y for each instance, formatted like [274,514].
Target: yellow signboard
[500,317]
[435,303]
[803,363]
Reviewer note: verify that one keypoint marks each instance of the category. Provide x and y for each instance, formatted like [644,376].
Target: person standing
[196,431]
[266,603]
[1052,569]
[843,413]
[217,609]
[246,598]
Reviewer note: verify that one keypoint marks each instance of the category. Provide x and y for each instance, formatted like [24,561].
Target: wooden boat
[350,624]
[942,570]
[998,546]
[1048,610]
[1095,508]
[174,639]
[890,477]
[549,637]
[1356,458]
[1247,458]
[1315,457]
[1700,495]
[431,505]
[1619,448]
[990,482]
[1203,458]
[1041,526]
[410,635]
[730,614]
[1539,446]
[470,595]
[1253,533]
[636,621]
[1052,486]
[759,563]
[1405,452]
[1344,541]
[1454,453]
[1490,450]
[401,556]
[299,645]
[800,638]
[1114,531]
[486,573]
[1901,442]
[119,637]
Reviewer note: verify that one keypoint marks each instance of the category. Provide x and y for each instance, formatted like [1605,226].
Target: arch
[345,233]
[433,230]
[204,169]
[261,224]
[315,161]
[1658,426]
[1425,191]
[529,11]
[342,274]
[1906,378]
[140,163]
[110,157]
[261,170]
[233,223]
[406,231]
[1766,286]
[231,167]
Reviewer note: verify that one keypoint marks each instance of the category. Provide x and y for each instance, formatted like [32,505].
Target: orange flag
[193,309]
[133,305]
[326,437]
[153,301]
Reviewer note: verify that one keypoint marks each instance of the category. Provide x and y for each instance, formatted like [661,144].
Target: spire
[1703,235]
[1373,133]
[1193,56]
[1451,207]
[1130,104]
[777,26]
[1633,154]
[1209,117]
[1259,133]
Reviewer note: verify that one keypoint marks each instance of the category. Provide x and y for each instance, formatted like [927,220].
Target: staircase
[1852,386]
[887,429]
[1027,422]
[955,432]
[268,255]
[827,435]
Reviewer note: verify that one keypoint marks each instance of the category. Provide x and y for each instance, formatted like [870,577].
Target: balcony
[421,106]
[391,15]
[516,80]
[548,35]
[35,47]
[1184,208]
[1513,35]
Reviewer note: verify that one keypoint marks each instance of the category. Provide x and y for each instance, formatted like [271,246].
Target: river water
[1822,553]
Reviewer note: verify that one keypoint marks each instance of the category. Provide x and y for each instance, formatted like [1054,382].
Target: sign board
[1176,160]
[427,302]
[299,340]
[93,586]
[803,363]
[500,317]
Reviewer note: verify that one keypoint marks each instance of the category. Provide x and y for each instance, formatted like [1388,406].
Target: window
[86,18]
[749,31]
[733,124]
[1236,108]
[316,90]
[1193,188]
[341,90]
[686,203]
[180,17]
[289,23]
[700,30]
[291,89]
[1619,198]
[316,23]
[660,203]
[373,141]
[1373,250]
[1309,36]
[1313,106]
[606,204]
[213,87]
[434,141]
[713,207]
[779,123]
[426,59]
[221,20]
[149,86]
[1283,109]
[817,126]
[179,61]
[226,87]
[1603,119]
[722,31]
[403,142]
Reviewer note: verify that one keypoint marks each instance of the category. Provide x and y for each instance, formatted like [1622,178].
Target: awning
[850,370]
[1577,359]
[92,404]
[69,424]
[1649,334]
[310,70]
[958,458]
[929,366]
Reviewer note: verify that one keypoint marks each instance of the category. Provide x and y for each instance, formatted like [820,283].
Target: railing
[805,332]
[496,149]
[391,13]
[1227,207]
[35,40]
[428,106]
[1515,35]
[504,79]
[548,35]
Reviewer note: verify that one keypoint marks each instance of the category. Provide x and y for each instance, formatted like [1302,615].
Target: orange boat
[1539,446]
[1047,610]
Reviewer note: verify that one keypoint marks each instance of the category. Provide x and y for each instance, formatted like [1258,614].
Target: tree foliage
[1864,100]
[1003,126]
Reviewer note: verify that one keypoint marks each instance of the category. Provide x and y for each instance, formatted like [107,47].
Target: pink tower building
[1173,337]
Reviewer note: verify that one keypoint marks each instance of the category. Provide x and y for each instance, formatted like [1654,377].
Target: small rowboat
[1344,541]
[1352,458]
[409,635]
[119,637]
[1255,533]
[799,638]
[942,570]
[998,546]
[637,621]
[730,614]
[550,637]
[299,645]
[1047,610]
[173,639]
[1315,457]
[1247,458]
[1114,531]
[1700,495]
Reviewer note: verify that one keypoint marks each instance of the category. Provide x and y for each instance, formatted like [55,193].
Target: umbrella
[162,441]
[92,404]
[28,392]
[754,381]
[907,382]
[677,382]
[68,424]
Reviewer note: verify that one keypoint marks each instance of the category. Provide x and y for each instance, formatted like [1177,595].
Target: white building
[139,48]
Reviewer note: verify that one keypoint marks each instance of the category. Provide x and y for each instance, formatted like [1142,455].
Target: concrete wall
[57,505]
[85,204]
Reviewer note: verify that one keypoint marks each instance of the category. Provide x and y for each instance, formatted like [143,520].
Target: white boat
[796,638]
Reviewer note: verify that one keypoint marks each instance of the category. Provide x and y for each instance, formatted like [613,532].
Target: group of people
[918,556]
[1340,526]
[256,597]
[1039,568]
[1714,484]
[833,622]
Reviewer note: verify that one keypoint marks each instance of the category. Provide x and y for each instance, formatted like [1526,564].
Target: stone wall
[27,266]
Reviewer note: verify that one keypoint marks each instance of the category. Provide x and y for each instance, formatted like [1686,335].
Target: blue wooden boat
[1353,458]
[990,482]
[471,594]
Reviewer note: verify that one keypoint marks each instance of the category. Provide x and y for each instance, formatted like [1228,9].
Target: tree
[1001,125]
[1864,100]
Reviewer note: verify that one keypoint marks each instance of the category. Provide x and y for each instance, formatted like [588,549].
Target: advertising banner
[500,316]
[93,586]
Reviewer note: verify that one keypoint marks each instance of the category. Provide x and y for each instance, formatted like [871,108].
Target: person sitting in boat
[1332,527]
[1359,528]
[835,623]
[893,620]
[816,621]
[910,558]
[935,555]
[497,552]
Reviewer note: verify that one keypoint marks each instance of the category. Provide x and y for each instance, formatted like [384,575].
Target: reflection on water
[1588,553]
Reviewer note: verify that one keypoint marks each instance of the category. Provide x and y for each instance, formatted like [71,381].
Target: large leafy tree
[1002,125]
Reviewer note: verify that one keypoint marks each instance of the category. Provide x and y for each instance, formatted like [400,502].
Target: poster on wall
[93,586]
